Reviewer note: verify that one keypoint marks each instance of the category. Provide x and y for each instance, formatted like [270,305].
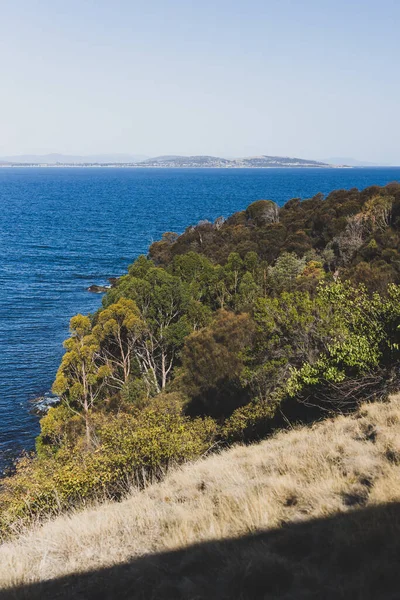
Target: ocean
[63,229]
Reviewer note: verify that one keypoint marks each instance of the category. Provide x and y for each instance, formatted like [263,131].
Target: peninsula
[167,162]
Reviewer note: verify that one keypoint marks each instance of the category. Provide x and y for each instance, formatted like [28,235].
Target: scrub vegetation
[221,335]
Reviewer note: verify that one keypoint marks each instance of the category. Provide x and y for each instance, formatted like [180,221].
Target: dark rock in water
[98,289]
[102,289]
[41,405]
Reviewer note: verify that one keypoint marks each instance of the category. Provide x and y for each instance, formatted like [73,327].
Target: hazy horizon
[54,157]
[219,78]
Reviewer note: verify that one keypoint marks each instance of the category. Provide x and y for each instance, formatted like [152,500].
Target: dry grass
[332,468]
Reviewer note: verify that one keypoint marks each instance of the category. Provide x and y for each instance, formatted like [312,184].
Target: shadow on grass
[355,555]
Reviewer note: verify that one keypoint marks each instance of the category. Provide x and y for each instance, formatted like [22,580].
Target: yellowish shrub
[127,450]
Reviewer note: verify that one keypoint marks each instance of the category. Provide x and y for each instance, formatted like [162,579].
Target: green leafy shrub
[127,450]
[362,351]
[250,421]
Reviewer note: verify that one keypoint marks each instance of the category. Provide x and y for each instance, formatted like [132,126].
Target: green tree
[212,361]
[163,300]
[291,329]
[119,329]
[285,271]
[248,292]
[232,271]
[80,379]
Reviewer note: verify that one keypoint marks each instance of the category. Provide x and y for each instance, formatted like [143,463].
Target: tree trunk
[163,371]
[87,424]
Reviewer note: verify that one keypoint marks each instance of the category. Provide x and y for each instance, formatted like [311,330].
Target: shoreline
[133,166]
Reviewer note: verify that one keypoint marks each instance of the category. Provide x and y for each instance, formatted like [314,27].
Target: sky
[307,78]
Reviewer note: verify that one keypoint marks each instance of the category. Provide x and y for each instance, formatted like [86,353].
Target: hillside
[351,233]
[217,162]
[220,335]
[227,334]
[310,513]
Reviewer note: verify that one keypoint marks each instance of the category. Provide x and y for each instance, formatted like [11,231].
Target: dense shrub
[296,227]
[212,365]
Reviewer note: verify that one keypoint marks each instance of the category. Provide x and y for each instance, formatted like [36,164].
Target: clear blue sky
[289,77]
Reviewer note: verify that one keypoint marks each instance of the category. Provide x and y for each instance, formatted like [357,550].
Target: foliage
[80,379]
[338,227]
[118,329]
[250,421]
[212,364]
[130,449]
[285,271]
[243,320]
[365,341]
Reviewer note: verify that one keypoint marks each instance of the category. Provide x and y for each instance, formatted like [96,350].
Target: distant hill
[279,161]
[66,159]
[218,162]
[165,161]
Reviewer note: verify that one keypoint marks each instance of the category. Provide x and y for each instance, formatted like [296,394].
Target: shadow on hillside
[354,556]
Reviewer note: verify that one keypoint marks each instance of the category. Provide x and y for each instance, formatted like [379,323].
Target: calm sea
[62,229]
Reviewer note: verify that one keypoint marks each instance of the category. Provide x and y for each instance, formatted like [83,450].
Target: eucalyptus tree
[81,377]
[119,330]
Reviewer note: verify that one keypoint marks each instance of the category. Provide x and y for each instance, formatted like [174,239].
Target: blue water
[64,229]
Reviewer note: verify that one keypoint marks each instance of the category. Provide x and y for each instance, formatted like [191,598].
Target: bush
[127,450]
[263,212]
[250,421]
[212,361]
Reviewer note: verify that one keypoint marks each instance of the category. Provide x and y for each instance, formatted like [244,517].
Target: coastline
[54,287]
[133,166]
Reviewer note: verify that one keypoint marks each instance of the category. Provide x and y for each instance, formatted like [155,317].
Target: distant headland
[165,162]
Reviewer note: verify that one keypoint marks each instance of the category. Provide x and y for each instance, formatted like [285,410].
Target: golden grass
[333,467]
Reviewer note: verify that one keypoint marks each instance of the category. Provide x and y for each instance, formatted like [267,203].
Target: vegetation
[353,232]
[222,334]
[312,512]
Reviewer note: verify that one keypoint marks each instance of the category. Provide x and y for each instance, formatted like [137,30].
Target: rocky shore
[41,405]
[102,289]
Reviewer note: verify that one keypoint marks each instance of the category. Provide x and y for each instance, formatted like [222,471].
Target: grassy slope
[319,495]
